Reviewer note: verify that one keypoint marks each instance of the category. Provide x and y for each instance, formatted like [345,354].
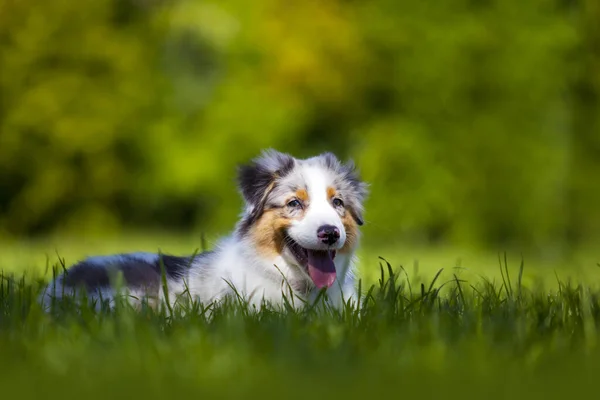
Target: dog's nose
[328,234]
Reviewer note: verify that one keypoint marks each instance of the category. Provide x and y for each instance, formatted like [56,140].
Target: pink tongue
[321,268]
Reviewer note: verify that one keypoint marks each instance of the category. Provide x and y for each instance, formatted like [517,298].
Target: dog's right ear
[257,179]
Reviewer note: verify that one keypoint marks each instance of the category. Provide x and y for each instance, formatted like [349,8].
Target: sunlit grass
[411,337]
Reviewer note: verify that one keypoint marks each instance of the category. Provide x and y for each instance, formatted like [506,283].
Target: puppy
[297,236]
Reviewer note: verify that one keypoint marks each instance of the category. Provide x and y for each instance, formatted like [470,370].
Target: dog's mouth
[318,263]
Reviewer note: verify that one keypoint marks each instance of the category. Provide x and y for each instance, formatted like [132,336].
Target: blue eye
[294,204]
[338,202]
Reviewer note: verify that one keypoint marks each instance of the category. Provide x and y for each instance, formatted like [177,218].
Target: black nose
[328,234]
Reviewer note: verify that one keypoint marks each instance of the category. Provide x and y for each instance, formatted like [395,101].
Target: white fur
[238,265]
[319,213]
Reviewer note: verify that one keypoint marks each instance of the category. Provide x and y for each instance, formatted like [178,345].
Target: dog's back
[141,274]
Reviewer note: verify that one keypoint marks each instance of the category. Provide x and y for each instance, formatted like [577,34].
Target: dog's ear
[257,179]
[359,190]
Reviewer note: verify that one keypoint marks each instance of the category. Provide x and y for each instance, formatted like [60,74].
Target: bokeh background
[477,122]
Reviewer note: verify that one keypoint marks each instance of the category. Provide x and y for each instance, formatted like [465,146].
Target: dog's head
[303,210]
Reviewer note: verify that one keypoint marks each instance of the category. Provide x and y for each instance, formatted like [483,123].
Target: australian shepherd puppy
[297,236]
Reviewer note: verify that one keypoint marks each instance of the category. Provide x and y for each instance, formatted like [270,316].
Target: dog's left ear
[358,193]
[257,179]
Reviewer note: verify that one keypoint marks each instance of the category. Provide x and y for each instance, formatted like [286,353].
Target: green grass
[422,262]
[471,332]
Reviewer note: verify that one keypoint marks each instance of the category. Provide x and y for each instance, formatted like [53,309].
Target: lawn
[475,331]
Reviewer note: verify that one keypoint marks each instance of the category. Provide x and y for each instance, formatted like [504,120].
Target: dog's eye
[338,202]
[294,203]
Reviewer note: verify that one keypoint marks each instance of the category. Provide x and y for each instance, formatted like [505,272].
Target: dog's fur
[288,201]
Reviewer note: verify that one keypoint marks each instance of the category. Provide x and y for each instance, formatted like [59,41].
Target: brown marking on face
[352,233]
[302,194]
[268,233]
[331,192]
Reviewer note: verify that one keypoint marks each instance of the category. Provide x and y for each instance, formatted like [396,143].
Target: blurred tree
[474,120]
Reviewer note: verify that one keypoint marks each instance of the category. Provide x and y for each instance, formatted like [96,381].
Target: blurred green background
[477,122]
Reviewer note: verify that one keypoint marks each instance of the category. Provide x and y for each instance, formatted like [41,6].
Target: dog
[296,237]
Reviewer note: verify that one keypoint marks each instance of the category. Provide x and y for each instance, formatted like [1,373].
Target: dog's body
[297,235]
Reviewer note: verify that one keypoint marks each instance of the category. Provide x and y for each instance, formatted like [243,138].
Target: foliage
[475,121]
[416,338]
